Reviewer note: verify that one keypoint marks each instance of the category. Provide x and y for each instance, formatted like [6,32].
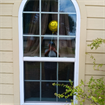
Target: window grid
[40,36]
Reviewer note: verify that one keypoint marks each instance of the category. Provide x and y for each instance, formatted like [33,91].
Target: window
[49,49]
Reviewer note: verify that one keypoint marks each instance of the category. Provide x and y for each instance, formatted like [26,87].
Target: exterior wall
[92,26]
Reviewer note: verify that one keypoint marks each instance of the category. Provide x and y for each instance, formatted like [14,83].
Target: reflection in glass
[49,71]
[32,70]
[49,5]
[49,47]
[67,47]
[31,24]
[67,6]
[45,20]
[48,92]
[31,46]
[67,24]
[32,5]
[66,71]
[61,90]
[32,91]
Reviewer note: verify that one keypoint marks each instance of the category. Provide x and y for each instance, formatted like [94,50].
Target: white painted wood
[44,59]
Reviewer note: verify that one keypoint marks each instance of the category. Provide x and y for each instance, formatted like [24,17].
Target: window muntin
[39,76]
[58,36]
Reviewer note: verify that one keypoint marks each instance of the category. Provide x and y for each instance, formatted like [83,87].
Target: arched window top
[50,6]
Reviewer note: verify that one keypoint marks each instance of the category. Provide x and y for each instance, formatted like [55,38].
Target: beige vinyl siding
[6,99]
[95,2]
[95,29]
[93,34]
[6,9]
[6,53]
[5,34]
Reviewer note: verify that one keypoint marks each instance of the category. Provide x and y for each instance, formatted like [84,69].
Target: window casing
[58,38]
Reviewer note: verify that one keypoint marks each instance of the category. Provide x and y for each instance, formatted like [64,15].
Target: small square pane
[32,5]
[32,91]
[45,20]
[67,6]
[49,47]
[32,70]
[31,24]
[67,25]
[48,92]
[49,5]
[62,90]
[67,47]
[66,71]
[49,71]
[31,46]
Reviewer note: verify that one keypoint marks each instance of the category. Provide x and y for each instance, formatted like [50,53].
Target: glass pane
[32,70]
[49,47]
[32,5]
[67,47]
[32,91]
[67,6]
[49,71]
[48,91]
[45,20]
[31,24]
[63,89]
[67,25]
[49,5]
[66,71]
[31,46]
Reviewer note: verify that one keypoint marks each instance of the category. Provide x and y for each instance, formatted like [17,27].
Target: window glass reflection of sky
[67,6]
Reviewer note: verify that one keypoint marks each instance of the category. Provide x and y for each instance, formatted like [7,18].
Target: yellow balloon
[53,25]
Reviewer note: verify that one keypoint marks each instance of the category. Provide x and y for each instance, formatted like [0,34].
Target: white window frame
[21,58]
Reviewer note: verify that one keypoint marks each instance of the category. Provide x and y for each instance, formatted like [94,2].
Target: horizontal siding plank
[6,67]
[6,89]
[6,45]
[89,70]
[93,11]
[6,1]
[100,49]
[94,23]
[5,21]
[6,57]
[5,33]
[6,99]
[100,58]
[6,78]
[95,2]
[94,34]
[87,78]
[6,9]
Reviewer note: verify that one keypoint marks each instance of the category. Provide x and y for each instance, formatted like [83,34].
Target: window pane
[49,47]
[32,91]
[49,5]
[67,25]
[66,6]
[49,71]
[32,70]
[66,71]
[45,20]
[31,24]
[48,91]
[32,5]
[63,89]
[31,46]
[67,47]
